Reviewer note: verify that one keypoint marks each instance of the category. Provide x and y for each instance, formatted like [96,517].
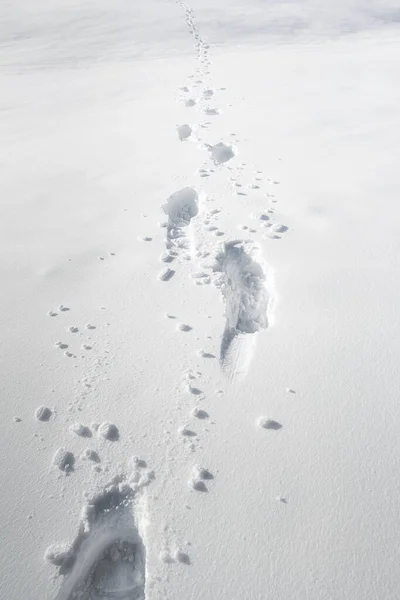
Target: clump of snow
[222,153]
[43,413]
[278,228]
[266,423]
[166,274]
[90,454]
[108,431]
[197,484]
[199,413]
[182,557]
[184,131]
[165,557]
[57,554]
[201,473]
[64,460]
[80,430]
[186,431]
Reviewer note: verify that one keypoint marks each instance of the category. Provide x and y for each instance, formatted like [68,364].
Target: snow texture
[199,265]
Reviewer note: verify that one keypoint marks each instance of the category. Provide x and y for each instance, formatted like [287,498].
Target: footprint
[248,300]
[107,558]
[180,207]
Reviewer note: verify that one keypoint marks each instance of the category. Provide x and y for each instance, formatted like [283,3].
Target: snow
[199,263]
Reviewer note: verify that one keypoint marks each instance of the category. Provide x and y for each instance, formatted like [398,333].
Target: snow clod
[43,413]
[57,554]
[64,460]
[108,431]
[269,423]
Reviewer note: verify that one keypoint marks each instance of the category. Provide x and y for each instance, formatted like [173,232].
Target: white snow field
[200,340]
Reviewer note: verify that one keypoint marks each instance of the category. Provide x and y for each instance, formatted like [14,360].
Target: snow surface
[199,264]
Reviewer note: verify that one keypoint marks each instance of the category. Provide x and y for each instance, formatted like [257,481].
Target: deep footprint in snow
[245,288]
[107,559]
[180,207]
